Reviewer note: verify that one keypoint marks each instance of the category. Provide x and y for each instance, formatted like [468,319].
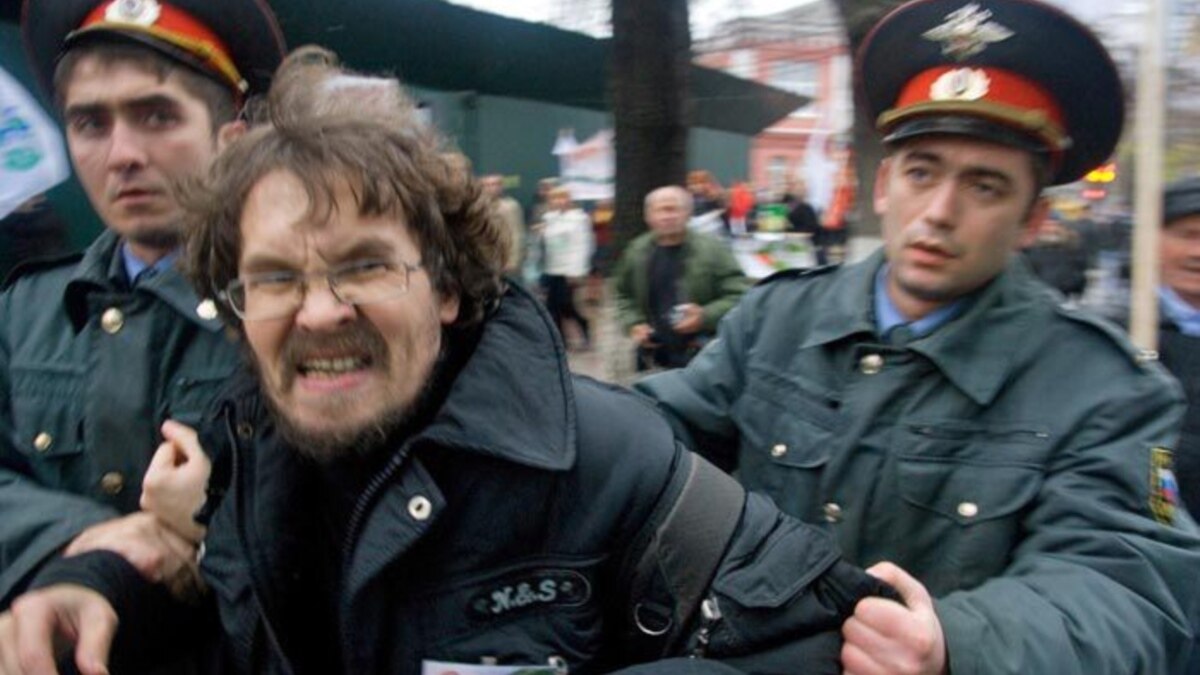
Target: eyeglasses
[273,295]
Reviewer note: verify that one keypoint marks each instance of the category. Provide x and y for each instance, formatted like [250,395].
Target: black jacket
[506,530]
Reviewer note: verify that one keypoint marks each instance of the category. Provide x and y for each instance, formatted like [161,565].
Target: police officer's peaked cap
[1016,72]
[1181,199]
[236,42]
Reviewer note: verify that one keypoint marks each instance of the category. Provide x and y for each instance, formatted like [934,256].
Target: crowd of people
[294,411]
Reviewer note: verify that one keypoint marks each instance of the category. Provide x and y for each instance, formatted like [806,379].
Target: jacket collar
[975,351]
[513,398]
[103,270]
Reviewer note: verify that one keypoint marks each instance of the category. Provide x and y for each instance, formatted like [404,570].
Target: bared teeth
[333,366]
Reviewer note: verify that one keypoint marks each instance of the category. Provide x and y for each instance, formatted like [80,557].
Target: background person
[672,284]
[568,245]
[1179,332]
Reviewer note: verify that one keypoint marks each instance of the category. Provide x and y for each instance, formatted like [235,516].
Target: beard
[365,439]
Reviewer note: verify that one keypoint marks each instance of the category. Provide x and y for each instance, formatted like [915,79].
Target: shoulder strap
[684,542]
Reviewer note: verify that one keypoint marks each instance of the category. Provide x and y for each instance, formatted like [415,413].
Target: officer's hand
[158,552]
[691,321]
[173,487]
[42,626]
[886,637]
[640,334]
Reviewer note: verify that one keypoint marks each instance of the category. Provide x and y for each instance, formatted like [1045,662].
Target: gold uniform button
[778,450]
[420,508]
[833,513]
[42,442]
[112,483]
[968,509]
[871,364]
[112,320]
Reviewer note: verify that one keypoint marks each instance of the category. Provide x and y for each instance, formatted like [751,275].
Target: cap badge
[960,84]
[967,32]
[140,12]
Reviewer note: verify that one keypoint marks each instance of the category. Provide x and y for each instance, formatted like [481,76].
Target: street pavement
[610,357]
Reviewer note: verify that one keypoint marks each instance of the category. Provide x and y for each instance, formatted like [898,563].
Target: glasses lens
[266,297]
[367,282]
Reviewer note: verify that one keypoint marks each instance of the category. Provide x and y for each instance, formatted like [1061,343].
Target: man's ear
[448,309]
[1033,222]
[229,132]
[881,182]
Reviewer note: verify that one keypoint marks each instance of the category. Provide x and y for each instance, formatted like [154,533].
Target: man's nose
[126,148]
[321,310]
[942,207]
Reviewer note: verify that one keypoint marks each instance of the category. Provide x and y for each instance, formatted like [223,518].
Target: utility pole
[1151,104]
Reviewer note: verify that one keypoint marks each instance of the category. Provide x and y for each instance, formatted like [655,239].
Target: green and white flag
[32,157]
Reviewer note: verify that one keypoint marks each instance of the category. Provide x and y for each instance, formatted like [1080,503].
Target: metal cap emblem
[967,32]
[140,12]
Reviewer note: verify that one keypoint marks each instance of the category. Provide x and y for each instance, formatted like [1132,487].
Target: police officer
[1179,331]
[97,350]
[1003,460]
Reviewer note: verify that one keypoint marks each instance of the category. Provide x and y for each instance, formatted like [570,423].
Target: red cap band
[171,25]
[990,93]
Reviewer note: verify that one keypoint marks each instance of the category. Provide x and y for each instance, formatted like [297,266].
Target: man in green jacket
[1003,461]
[98,350]
[674,285]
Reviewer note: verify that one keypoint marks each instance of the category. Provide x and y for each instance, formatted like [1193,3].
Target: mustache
[358,339]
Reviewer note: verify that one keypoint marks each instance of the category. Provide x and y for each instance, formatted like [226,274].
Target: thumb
[97,627]
[183,436]
[165,457]
[913,592]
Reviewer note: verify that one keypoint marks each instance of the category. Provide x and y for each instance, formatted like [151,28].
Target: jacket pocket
[47,411]
[966,487]
[788,432]
[191,393]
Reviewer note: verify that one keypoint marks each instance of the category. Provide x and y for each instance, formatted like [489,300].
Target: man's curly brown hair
[329,128]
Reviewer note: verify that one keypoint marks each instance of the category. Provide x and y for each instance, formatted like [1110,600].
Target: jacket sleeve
[698,400]
[774,590]
[37,522]
[629,311]
[729,282]
[1097,585]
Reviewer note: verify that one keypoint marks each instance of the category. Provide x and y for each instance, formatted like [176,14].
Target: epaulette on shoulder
[797,273]
[34,265]
[1115,335]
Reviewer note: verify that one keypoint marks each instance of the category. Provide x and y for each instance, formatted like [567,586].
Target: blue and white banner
[32,156]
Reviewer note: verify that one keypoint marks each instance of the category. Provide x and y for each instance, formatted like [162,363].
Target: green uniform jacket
[88,373]
[1005,460]
[711,279]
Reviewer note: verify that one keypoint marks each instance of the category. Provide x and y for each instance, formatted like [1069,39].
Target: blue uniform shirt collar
[135,266]
[888,316]
[1179,312]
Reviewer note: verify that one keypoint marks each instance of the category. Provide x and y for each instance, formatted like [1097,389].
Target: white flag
[32,157]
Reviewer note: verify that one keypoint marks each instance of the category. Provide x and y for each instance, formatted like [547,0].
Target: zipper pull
[710,616]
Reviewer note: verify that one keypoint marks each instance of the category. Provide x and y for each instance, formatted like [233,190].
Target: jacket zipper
[356,518]
[255,578]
